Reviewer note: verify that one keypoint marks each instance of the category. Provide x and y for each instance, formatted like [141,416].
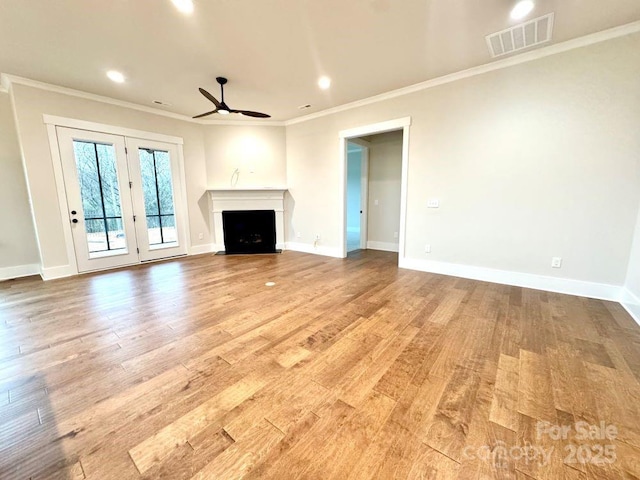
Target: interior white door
[97,187]
[157,198]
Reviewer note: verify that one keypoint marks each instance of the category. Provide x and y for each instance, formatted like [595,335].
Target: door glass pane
[157,187]
[100,192]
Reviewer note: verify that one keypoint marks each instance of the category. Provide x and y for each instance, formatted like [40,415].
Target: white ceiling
[272,51]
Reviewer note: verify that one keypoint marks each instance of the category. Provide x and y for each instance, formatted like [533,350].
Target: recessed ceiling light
[324,83]
[184,6]
[115,76]
[522,9]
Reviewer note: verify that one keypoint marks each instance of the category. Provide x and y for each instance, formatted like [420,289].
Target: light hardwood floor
[345,369]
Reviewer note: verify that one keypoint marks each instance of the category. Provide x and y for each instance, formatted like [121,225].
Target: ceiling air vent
[519,37]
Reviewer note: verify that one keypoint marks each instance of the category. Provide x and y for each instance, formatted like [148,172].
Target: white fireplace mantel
[246,198]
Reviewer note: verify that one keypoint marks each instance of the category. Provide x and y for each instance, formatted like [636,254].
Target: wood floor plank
[346,368]
[155,448]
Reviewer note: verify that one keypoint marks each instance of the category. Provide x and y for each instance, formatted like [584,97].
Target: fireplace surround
[246,199]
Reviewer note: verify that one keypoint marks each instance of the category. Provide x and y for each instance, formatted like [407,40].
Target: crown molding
[516,59]
[6,80]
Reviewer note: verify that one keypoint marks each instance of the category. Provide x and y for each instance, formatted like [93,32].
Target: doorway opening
[387,231]
[374,180]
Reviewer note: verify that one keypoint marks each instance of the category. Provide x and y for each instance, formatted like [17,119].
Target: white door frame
[51,122]
[403,124]
[148,254]
[84,259]
[364,189]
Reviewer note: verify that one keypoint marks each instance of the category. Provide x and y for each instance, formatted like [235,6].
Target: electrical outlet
[395,234]
[317,237]
[200,236]
[556,262]
[298,235]
[375,202]
[427,248]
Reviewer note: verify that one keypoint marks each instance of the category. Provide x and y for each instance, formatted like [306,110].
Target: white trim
[317,250]
[537,54]
[62,271]
[202,249]
[403,124]
[567,286]
[404,182]
[63,205]
[384,246]
[631,303]
[17,271]
[375,128]
[110,129]
[8,79]
[360,142]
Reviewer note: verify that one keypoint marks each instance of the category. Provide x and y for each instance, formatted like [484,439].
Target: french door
[124,198]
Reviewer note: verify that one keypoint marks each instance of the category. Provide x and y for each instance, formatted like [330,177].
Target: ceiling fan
[222,108]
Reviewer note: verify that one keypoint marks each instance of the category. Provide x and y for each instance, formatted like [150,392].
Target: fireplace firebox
[249,231]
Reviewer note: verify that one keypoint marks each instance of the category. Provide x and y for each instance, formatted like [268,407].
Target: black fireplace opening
[249,231]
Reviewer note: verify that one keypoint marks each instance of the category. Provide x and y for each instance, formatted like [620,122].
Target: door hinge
[134,218]
[130,184]
[138,250]
[126,150]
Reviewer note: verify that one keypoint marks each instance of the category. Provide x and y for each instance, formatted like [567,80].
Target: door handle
[73,212]
[75,220]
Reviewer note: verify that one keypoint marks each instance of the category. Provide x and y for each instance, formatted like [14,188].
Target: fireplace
[246,199]
[249,231]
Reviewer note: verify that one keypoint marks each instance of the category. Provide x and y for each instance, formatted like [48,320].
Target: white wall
[258,152]
[18,248]
[30,105]
[385,172]
[529,162]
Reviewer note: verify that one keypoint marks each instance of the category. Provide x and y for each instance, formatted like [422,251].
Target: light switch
[433,203]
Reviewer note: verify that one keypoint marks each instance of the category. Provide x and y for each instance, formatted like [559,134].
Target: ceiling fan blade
[210,97]
[206,114]
[249,113]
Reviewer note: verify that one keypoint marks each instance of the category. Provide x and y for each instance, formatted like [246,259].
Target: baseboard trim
[17,271]
[601,291]
[316,250]
[384,246]
[631,304]
[201,249]
[62,271]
